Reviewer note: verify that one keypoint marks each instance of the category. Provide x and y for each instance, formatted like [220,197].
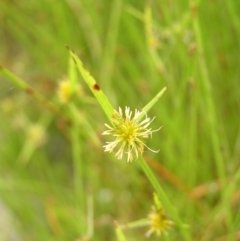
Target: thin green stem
[208,97]
[111,41]
[76,150]
[78,169]
[29,90]
[210,110]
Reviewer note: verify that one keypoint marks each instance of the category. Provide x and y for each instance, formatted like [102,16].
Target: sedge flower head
[158,222]
[129,131]
[37,134]
[64,91]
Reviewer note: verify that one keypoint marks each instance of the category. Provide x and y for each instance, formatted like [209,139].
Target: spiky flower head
[158,222]
[129,132]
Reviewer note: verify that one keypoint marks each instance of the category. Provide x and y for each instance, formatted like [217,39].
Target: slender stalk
[208,97]
[78,171]
[110,43]
[76,151]
[29,90]
[210,110]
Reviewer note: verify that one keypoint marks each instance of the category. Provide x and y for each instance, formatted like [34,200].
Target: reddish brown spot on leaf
[30,91]
[1,67]
[194,10]
[96,86]
[63,124]
[191,49]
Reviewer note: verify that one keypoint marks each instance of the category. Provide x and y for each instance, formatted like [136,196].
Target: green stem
[78,170]
[208,96]
[210,110]
[110,43]
[29,90]
[76,150]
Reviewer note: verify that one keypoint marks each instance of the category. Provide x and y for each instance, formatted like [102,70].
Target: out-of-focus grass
[132,49]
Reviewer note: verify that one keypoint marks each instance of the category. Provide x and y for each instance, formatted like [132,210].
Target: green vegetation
[56,181]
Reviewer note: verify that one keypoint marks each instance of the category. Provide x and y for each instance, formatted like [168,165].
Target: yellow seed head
[64,91]
[158,222]
[37,134]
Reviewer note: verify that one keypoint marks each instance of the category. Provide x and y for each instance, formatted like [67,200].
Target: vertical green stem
[76,151]
[208,96]
[78,170]
[111,40]
[210,110]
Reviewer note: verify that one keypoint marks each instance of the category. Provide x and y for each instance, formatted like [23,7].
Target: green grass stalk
[30,91]
[210,110]
[76,151]
[78,170]
[111,41]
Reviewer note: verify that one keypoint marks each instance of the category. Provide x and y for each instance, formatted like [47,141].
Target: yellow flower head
[129,132]
[158,222]
[64,91]
[37,134]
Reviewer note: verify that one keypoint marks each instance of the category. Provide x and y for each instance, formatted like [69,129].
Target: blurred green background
[53,189]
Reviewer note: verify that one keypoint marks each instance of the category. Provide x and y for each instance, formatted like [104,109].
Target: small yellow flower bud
[158,222]
[37,134]
[64,91]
